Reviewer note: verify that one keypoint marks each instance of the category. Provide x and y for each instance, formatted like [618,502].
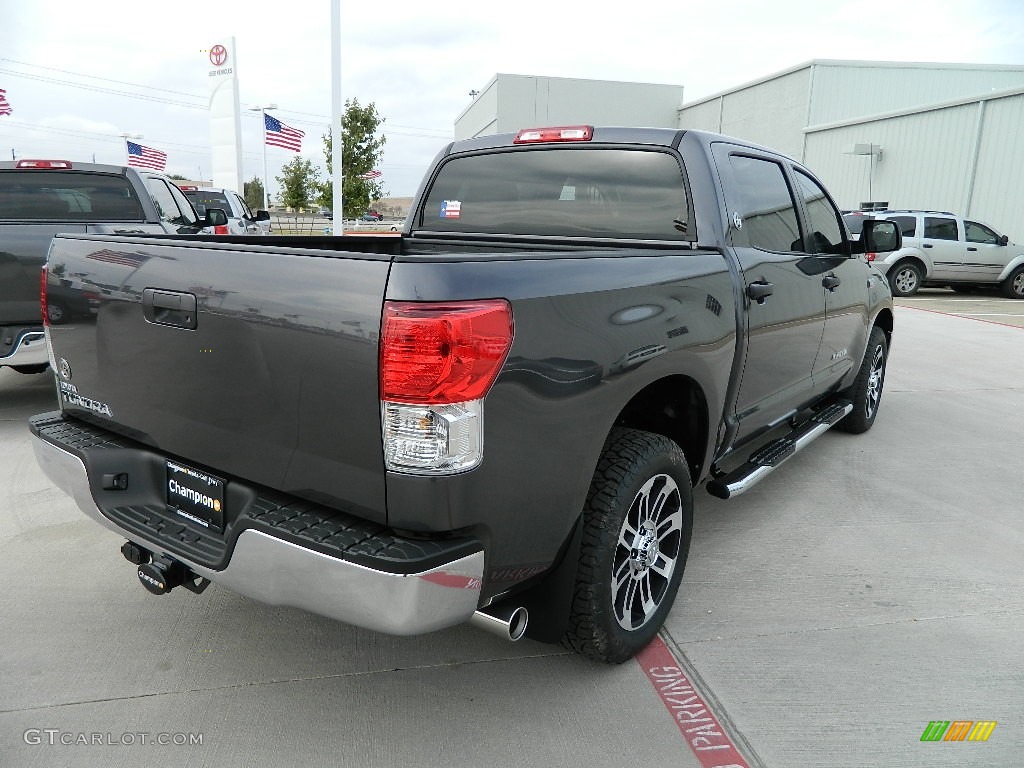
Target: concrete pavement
[867,588]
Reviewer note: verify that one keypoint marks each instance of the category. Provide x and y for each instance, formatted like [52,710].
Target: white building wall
[998,196]
[512,102]
[771,112]
[848,90]
[480,118]
[965,157]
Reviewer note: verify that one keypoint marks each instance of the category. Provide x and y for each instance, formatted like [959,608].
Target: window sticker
[450,209]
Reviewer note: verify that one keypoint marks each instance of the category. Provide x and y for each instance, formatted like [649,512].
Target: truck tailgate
[253,363]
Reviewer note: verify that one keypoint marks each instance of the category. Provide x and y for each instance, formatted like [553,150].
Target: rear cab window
[203,200]
[42,195]
[561,192]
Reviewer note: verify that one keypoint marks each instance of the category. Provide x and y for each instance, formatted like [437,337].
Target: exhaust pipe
[506,619]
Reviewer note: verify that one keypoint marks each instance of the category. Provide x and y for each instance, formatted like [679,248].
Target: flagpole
[338,206]
[126,137]
[266,197]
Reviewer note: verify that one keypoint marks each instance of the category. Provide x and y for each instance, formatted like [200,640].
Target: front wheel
[636,537]
[905,279]
[866,392]
[1013,286]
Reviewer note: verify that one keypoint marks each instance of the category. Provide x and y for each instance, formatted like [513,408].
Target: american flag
[5,105]
[280,135]
[144,157]
[119,257]
[370,174]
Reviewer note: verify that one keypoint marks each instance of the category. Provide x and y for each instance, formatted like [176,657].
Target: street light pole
[263,127]
[338,203]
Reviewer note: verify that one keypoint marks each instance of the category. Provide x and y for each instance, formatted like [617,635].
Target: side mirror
[880,235]
[1004,239]
[262,216]
[215,217]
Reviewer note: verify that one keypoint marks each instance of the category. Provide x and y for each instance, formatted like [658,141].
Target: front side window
[579,192]
[173,208]
[826,235]
[765,204]
[979,233]
[941,229]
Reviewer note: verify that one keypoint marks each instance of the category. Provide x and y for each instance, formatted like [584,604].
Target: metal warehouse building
[916,135]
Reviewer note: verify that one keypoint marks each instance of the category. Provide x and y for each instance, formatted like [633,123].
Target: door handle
[971,248]
[760,290]
[831,282]
[926,245]
[169,308]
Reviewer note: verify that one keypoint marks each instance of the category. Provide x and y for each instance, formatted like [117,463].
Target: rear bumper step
[300,555]
[770,457]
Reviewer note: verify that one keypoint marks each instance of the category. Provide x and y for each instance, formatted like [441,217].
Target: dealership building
[945,137]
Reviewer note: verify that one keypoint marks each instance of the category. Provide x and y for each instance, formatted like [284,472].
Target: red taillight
[188,188]
[42,296]
[871,256]
[43,164]
[442,352]
[220,229]
[558,133]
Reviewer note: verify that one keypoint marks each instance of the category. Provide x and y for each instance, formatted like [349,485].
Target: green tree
[176,177]
[362,149]
[300,183]
[253,193]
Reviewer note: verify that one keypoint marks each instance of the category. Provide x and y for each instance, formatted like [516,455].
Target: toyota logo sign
[218,55]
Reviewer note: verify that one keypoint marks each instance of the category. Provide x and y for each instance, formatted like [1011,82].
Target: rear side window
[907,225]
[37,195]
[766,205]
[617,193]
[941,229]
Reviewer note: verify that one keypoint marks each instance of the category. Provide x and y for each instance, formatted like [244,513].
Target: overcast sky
[60,61]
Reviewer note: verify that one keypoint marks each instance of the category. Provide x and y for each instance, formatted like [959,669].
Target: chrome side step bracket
[767,459]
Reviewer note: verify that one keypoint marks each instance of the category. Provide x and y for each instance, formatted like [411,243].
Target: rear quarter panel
[590,333]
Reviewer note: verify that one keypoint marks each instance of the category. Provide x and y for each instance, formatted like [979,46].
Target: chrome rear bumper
[279,572]
[29,349]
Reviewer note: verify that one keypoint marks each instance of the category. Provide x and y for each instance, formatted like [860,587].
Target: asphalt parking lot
[868,588]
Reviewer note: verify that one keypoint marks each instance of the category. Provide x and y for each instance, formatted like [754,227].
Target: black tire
[905,278]
[29,369]
[57,313]
[866,391]
[631,557]
[1013,286]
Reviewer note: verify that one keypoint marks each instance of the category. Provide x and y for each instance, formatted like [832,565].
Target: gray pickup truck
[499,416]
[38,199]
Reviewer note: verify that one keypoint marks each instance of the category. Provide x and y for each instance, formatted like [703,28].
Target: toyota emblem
[65,369]
[218,55]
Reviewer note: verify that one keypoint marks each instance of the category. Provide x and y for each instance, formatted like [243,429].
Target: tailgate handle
[169,308]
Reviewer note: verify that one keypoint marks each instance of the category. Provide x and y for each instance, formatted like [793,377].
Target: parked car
[372,215]
[241,219]
[39,198]
[326,213]
[943,249]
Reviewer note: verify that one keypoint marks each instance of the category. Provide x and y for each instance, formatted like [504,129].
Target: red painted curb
[703,733]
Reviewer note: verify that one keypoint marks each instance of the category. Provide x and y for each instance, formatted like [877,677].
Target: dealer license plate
[195,496]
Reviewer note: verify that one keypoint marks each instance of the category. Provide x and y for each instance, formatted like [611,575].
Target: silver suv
[941,248]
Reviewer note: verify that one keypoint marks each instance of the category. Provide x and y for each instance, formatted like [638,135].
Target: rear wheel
[866,392]
[1013,286]
[636,537]
[905,278]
